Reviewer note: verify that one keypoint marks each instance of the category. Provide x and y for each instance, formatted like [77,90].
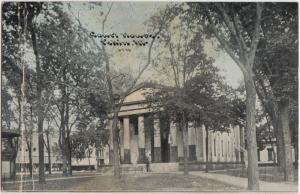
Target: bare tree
[116,101]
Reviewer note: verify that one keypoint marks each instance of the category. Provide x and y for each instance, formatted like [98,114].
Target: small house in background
[7,158]
[267,156]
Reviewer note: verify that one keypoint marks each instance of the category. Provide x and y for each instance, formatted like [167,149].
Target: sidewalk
[242,182]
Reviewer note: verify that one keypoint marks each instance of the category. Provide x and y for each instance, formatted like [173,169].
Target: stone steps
[154,167]
[141,168]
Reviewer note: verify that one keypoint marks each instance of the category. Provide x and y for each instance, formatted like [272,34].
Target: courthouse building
[143,131]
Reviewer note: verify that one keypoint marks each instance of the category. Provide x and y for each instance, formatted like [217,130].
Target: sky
[130,17]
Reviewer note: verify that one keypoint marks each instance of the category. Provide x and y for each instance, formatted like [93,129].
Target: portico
[141,134]
[146,132]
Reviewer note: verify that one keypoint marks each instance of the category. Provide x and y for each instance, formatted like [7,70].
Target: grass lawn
[140,182]
[53,175]
[266,173]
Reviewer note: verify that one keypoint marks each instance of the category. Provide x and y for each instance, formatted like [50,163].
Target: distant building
[267,157]
[56,159]
[7,164]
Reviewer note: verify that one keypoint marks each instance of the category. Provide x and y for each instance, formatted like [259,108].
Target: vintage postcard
[149,96]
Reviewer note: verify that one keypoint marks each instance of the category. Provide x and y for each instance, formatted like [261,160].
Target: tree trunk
[274,153]
[16,142]
[185,136]
[272,111]
[41,151]
[206,149]
[68,141]
[64,165]
[70,158]
[63,145]
[49,162]
[296,156]
[69,151]
[30,158]
[14,170]
[285,134]
[253,175]
[271,142]
[48,151]
[279,140]
[39,108]
[117,169]
[14,157]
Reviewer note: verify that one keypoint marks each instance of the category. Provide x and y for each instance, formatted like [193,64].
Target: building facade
[144,132]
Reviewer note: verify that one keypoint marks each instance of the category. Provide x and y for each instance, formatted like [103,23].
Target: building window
[215,153]
[34,149]
[258,155]
[270,154]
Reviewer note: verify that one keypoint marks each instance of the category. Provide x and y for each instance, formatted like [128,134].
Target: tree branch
[173,65]
[231,28]
[238,27]
[224,44]
[256,33]
[148,60]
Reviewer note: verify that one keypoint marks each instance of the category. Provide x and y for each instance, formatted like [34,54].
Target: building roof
[138,94]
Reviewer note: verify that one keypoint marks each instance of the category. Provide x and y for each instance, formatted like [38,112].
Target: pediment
[137,96]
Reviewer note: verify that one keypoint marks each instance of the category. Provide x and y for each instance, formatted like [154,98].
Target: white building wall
[55,156]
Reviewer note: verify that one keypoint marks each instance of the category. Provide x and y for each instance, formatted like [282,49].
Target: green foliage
[276,63]
[68,59]
[85,141]
[199,91]
[277,55]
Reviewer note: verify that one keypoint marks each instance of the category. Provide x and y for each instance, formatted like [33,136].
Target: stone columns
[232,147]
[180,145]
[210,146]
[121,140]
[218,143]
[237,142]
[126,140]
[228,148]
[157,140]
[191,141]
[242,138]
[203,140]
[173,142]
[141,139]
